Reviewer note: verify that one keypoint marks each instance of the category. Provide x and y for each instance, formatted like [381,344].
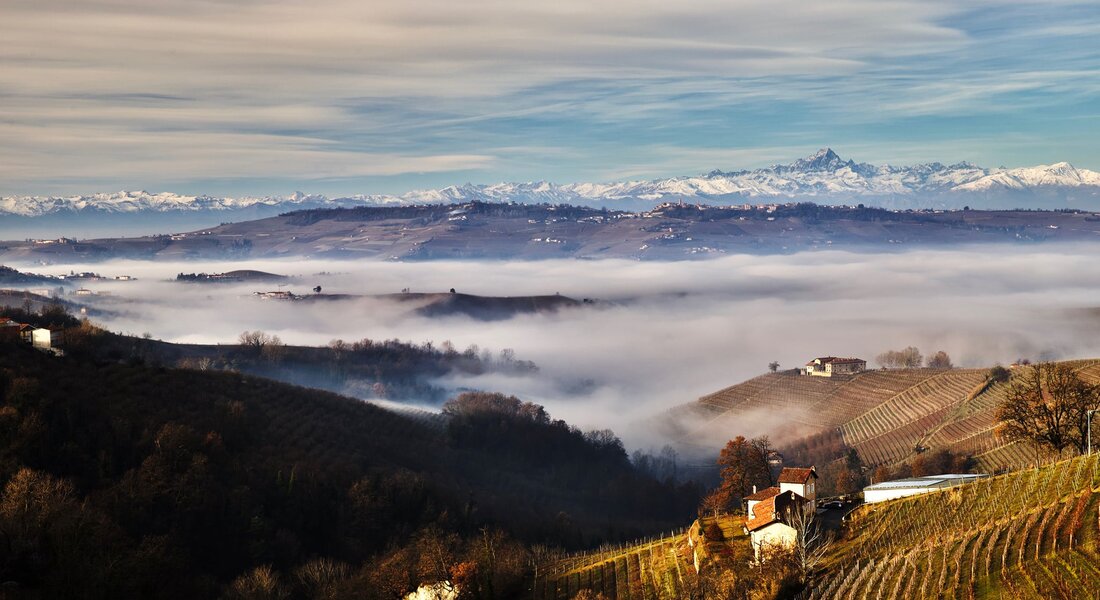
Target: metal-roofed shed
[900,488]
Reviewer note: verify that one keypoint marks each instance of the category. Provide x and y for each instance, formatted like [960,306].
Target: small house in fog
[912,486]
[43,337]
[774,513]
[827,366]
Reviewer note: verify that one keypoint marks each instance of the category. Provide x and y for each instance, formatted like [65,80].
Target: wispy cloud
[119,93]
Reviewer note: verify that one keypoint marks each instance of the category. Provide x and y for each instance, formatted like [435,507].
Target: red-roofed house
[800,481]
[772,521]
[769,510]
[827,366]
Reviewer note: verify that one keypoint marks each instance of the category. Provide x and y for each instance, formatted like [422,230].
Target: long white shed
[899,488]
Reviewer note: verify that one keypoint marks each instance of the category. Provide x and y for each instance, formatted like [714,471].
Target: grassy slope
[883,414]
[1028,534]
[652,569]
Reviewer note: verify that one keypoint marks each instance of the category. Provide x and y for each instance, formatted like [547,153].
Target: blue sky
[242,97]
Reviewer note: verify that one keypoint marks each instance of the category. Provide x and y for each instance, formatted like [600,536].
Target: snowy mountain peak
[822,177]
[822,160]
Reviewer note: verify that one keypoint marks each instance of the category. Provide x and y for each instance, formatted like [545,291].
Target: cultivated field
[659,568]
[888,416]
[1028,534]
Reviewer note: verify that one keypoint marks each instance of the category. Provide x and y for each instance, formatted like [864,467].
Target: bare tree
[254,339]
[909,358]
[940,360]
[1047,405]
[811,542]
[762,451]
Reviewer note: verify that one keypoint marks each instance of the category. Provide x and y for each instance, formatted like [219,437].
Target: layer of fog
[672,331]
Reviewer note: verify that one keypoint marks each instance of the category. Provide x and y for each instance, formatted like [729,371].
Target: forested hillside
[374,369]
[126,480]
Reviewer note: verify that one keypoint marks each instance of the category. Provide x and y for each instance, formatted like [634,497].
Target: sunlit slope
[888,416]
[1028,534]
[655,569]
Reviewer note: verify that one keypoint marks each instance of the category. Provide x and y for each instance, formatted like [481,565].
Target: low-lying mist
[667,333]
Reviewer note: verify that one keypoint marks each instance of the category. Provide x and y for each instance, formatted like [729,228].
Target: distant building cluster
[827,366]
[279,295]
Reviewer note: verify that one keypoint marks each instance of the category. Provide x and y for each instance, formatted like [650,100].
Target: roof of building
[763,494]
[927,482]
[796,474]
[836,360]
[773,510]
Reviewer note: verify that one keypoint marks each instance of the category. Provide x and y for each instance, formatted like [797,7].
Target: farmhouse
[827,366]
[773,513]
[43,337]
[900,488]
[279,295]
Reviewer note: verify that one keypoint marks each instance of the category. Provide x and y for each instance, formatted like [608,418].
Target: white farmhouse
[900,488]
[827,366]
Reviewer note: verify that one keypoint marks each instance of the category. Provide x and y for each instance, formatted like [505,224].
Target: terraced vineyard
[655,569]
[885,415]
[1030,534]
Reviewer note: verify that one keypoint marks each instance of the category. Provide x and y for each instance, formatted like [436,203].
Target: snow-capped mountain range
[824,178]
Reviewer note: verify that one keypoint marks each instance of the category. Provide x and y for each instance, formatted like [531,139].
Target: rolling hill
[482,230]
[658,568]
[888,416]
[1028,534]
[124,480]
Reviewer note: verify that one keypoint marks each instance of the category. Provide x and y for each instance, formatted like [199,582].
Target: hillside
[121,480]
[1030,534]
[661,568]
[481,230]
[10,277]
[238,276]
[885,415]
[484,308]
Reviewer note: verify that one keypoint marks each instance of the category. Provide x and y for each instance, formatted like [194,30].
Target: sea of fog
[669,331]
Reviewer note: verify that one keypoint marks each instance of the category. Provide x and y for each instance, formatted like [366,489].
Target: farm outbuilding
[900,488]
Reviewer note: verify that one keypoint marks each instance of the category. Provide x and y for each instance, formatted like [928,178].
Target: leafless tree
[940,360]
[811,542]
[909,358]
[1047,404]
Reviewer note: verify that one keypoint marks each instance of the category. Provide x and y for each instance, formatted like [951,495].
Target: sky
[240,97]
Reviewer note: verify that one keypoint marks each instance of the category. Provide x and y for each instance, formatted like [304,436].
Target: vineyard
[888,416]
[1029,534]
[658,568]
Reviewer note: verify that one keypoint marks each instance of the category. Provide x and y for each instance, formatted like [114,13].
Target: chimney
[754,489]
